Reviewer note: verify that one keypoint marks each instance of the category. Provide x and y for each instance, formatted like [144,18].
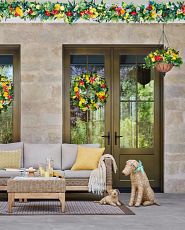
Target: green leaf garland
[90,11]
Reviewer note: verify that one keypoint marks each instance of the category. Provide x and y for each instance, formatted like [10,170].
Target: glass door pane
[89,126]
[136,103]
[6,118]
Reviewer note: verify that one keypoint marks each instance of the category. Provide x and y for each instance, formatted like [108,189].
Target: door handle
[108,137]
[115,137]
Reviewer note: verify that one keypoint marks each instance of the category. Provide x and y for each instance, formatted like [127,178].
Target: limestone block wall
[41,81]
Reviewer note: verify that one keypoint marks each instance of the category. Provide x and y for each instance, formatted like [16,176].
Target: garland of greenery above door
[91,11]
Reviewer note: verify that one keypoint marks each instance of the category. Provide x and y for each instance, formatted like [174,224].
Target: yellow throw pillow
[10,159]
[87,158]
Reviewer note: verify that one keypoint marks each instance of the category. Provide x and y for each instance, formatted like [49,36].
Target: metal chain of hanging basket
[164,59]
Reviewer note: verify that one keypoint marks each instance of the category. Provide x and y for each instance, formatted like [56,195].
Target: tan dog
[141,192]
[111,199]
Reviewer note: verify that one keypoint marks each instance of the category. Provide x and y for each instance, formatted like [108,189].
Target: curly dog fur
[111,199]
[141,192]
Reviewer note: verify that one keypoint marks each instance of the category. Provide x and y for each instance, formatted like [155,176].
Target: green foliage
[84,132]
[72,11]
[6,135]
[136,124]
[79,132]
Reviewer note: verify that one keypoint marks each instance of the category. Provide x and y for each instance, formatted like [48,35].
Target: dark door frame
[71,49]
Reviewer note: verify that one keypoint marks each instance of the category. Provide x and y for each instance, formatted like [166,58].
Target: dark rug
[72,208]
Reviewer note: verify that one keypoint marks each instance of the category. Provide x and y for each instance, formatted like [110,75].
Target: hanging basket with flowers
[6,93]
[89,91]
[163,60]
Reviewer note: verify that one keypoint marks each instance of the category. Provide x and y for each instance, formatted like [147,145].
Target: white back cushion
[35,154]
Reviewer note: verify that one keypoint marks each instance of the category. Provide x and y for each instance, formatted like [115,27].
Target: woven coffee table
[36,188]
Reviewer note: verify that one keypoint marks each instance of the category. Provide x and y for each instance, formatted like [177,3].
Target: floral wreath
[6,93]
[89,91]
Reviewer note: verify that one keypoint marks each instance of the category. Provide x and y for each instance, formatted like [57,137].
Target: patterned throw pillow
[10,159]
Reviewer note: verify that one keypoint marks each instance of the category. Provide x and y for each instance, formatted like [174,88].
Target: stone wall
[41,81]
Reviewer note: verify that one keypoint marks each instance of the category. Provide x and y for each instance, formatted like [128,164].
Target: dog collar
[139,167]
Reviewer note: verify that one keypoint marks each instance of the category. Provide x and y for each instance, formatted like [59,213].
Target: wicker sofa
[64,156]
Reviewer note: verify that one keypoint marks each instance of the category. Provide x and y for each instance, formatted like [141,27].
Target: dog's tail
[156,203]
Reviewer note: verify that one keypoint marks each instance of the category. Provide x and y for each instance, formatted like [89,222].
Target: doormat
[72,208]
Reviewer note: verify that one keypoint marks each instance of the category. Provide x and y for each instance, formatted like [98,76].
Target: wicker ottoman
[36,188]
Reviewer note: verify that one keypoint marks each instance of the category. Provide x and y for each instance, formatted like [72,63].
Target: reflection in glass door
[86,127]
[90,126]
[136,104]
[6,118]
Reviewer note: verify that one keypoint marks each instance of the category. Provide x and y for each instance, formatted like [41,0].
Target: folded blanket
[97,179]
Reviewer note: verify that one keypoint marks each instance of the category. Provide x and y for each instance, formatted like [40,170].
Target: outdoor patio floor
[169,216]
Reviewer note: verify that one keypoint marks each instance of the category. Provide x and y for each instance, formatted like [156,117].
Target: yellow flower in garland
[126,16]
[18,11]
[3,84]
[59,16]
[93,12]
[57,7]
[153,14]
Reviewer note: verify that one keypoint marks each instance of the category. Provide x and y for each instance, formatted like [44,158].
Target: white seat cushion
[9,174]
[77,173]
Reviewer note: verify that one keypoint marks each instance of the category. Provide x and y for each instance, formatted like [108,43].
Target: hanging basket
[143,75]
[163,67]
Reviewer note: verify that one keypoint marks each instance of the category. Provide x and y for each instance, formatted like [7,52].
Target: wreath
[6,93]
[89,91]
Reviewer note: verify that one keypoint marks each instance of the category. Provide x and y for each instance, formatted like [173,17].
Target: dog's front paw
[131,204]
[137,205]
[118,203]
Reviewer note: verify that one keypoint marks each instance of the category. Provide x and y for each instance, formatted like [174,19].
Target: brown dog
[141,192]
[111,199]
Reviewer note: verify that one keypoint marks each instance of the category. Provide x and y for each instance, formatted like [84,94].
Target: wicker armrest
[108,163]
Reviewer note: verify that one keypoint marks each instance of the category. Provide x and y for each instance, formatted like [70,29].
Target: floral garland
[6,93]
[89,91]
[167,55]
[89,10]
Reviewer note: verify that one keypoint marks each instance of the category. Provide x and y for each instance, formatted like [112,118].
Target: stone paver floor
[169,216]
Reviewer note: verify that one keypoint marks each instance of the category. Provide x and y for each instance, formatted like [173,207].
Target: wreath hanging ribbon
[6,93]
[89,91]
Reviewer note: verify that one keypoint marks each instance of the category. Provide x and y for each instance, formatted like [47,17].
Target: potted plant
[163,60]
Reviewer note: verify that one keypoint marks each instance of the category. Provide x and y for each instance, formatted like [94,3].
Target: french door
[129,126]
